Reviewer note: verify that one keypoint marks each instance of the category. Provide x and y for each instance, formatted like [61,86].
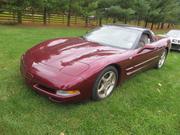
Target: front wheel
[162,59]
[105,83]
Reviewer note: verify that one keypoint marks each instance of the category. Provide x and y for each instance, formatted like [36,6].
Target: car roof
[129,27]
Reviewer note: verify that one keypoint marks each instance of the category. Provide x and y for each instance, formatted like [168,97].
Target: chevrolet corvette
[71,69]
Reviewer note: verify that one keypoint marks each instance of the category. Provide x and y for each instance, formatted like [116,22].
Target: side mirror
[148,47]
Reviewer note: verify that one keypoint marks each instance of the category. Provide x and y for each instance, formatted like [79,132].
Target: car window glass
[114,36]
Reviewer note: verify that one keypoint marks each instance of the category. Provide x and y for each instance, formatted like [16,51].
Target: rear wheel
[162,59]
[105,83]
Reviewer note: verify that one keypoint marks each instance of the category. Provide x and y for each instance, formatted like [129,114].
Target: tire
[162,59]
[105,83]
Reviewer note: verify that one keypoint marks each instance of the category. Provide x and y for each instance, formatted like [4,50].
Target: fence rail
[7,17]
[37,17]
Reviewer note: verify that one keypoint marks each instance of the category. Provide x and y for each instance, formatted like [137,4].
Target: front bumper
[52,95]
[175,47]
[46,87]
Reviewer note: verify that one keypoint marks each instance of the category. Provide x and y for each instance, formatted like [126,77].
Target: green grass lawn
[147,104]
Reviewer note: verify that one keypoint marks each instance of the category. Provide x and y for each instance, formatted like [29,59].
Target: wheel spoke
[101,88]
[110,88]
[104,79]
[110,76]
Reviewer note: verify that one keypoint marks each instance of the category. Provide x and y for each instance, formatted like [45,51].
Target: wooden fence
[29,17]
[7,17]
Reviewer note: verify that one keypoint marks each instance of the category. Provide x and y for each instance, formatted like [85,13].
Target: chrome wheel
[162,60]
[106,84]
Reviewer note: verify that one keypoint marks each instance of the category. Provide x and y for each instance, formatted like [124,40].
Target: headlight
[67,93]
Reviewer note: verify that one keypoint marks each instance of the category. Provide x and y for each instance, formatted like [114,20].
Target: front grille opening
[51,90]
[175,46]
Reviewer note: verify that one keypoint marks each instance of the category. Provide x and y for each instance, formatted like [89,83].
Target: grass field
[148,104]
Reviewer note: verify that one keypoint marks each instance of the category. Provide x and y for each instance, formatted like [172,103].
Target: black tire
[95,95]
[158,65]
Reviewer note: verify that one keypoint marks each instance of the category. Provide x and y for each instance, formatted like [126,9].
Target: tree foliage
[153,11]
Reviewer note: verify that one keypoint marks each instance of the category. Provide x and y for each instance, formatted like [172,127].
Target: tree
[17,6]
[71,8]
[87,8]
[2,3]
[173,14]
[151,11]
[141,8]
[47,6]
[34,5]
[101,10]
[159,11]
[116,9]
[127,9]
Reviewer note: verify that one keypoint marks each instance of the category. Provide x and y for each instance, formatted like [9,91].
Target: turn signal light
[67,93]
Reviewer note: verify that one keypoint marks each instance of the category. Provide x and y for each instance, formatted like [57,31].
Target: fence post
[32,15]
[69,13]
[19,16]
[45,16]
[14,16]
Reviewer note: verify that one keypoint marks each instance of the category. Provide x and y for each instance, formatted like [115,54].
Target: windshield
[114,36]
[174,33]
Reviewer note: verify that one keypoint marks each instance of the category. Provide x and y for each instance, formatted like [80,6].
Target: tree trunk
[114,20]
[146,23]
[106,20]
[162,25]
[19,11]
[168,25]
[97,21]
[63,17]
[152,24]
[125,20]
[100,21]
[159,24]
[49,16]
[75,19]
[138,21]
[19,16]
[14,16]
[32,15]
[69,13]
[45,16]
[86,21]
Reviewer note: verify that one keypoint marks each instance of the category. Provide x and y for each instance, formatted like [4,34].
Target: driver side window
[144,40]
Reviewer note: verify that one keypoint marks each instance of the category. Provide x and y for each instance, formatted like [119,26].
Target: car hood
[174,39]
[69,54]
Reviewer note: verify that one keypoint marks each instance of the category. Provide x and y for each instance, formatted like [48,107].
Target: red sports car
[74,69]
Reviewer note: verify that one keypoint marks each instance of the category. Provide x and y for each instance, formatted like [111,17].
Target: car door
[144,56]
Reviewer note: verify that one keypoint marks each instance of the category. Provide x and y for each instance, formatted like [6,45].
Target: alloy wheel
[162,59]
[106,84]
